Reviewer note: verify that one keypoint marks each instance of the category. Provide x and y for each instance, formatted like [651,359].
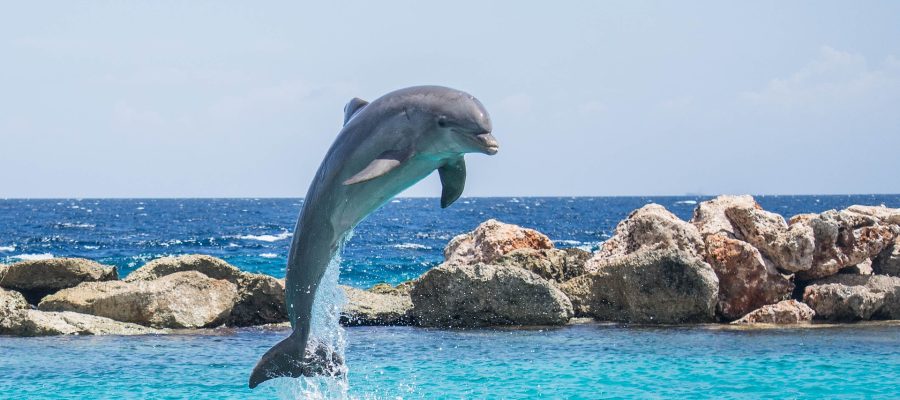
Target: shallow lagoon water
[577,361]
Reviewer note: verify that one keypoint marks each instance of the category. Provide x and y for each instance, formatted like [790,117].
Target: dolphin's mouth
[489,143]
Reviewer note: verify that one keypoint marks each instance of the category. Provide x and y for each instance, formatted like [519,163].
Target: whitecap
[31,257]
[689,202]
[90,247]
[414,246]
[76,225]
[395,201]
[267,238]
[567,242]
[139,208]
[268,255]
[8,248]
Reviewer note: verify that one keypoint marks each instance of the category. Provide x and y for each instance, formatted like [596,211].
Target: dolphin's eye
[442,122]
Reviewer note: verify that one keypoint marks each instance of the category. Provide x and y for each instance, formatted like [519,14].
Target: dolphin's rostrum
[385,147]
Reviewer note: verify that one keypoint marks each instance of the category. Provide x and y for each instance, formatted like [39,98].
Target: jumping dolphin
[385,147]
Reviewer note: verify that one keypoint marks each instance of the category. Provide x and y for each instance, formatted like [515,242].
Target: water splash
[326,333]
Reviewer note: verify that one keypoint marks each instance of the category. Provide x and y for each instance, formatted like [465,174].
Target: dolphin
[384,147]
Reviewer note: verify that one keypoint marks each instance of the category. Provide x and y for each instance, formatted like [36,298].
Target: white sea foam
[567,242]
[412,246]
[267,238]
[268,255]
[31,257]
[91,247]
[76,225]
[8,248]
[689,202]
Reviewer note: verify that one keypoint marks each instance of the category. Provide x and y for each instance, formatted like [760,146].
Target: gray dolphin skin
[384,147]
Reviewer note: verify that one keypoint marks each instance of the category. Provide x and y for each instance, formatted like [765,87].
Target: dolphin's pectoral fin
[384,163]
[353,106]
[453,180]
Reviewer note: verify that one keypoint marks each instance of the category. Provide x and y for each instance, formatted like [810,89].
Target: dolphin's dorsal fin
[355,104]
[384,163]
[453,180]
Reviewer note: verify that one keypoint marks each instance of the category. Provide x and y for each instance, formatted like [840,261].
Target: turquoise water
[578,361]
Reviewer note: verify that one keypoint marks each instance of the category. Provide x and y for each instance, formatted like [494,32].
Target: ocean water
[398,243]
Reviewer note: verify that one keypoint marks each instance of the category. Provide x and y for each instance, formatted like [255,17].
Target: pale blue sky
[210,99]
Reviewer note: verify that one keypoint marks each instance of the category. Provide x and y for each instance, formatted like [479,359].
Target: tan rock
[260,297]
[884,215]
[791,248]
[747,280]
[848,297]
[843,239]
[180,300]
[491,240]
[647,228]
[38,278]
[710,216]
[463,295]
[10,301]
[557,265]
[40,323]
[649,286]
[401,289]
[782,313]
[368,308]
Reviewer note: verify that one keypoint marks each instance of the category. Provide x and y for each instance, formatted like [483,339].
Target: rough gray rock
[747,280]
[367,308]
[464,295]
[647,228]
[710,216]
[38,278]
[491,240]
[787,312]
[40,323]
[843,239]
[791,248]
[10,301]
[260,297]
[650,286]
[181,300]
[888,261]
[557,265]
[848,297]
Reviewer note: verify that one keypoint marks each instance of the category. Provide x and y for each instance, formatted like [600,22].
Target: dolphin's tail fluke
[283,359]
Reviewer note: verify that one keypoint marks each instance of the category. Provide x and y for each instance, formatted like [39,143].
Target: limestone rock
[181,300]
[38,278]
[401,289]
[783,313]
[791,248]
[710,216]
[884,215]
[843,239]
[557,265]
[10,301]
[747,281]
[40,323]
[367,308]
[260,297]
[649,286]
[847,297]
[464,295]
[888,261]
[649,227]
[493,239]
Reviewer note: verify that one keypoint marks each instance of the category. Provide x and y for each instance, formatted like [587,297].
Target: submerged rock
[491,240]
[647,228]
[650,286]
[368,308]
[40,323]
[786,312]
[557,265]
[465,295]
[38,278]
[847,297]
[181,300]
[260,297]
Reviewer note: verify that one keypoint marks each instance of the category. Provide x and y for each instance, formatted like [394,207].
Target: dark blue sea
[397,243]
